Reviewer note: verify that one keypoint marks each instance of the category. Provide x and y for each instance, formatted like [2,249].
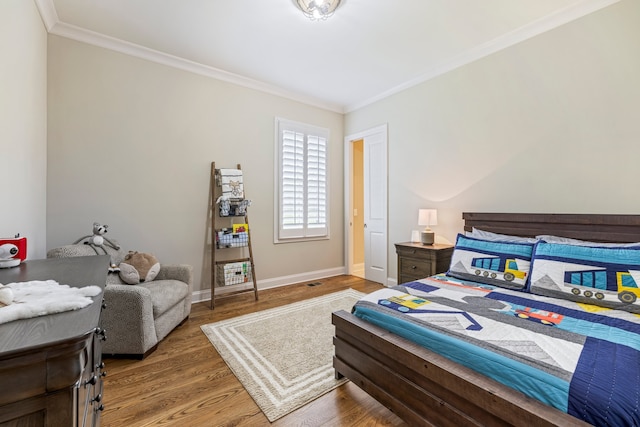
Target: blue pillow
[504,264]
[476,233]
[603,276]
[549,238]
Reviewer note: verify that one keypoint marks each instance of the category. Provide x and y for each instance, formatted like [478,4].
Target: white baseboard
[205,294]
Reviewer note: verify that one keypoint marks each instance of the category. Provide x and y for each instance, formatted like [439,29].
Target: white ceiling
[368,50]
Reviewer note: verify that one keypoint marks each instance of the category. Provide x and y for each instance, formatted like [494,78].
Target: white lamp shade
[427,217]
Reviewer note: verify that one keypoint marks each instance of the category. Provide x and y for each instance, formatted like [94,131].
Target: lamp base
[427,237]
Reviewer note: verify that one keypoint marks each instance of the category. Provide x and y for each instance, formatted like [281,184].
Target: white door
[375,203]
[375,207]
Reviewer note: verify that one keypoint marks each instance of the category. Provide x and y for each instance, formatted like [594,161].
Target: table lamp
[427,217]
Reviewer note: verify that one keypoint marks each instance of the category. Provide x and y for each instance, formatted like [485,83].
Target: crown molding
[563,16]
[56,27]
[570,13]
[47,12]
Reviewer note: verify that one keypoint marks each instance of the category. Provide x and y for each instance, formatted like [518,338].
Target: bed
[426,388]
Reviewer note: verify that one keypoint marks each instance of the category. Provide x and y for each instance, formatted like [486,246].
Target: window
[301,187]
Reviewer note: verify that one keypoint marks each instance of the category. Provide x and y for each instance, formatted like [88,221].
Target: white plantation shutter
[302,183]
[316,185]
[292,180]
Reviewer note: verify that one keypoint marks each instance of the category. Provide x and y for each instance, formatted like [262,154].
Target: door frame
[348,194]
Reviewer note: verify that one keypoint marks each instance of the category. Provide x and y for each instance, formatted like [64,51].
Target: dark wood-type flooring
[185,382]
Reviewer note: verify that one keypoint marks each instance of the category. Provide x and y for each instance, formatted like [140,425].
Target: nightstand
[417,261]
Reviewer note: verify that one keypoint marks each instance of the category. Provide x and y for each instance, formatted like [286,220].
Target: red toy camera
[13,248]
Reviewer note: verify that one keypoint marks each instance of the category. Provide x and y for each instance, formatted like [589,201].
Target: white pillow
[569,241]
[496,237]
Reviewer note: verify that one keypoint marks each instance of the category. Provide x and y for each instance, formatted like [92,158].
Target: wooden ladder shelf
[232,263]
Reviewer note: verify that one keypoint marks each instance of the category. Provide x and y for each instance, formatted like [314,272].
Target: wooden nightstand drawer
[413,269]
[417,261]
[415,252]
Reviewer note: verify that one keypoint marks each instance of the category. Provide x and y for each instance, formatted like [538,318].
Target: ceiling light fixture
[318,10]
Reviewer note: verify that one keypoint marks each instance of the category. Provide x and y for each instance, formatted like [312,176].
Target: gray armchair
[138,317]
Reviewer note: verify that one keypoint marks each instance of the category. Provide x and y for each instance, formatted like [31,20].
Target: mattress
[579,358]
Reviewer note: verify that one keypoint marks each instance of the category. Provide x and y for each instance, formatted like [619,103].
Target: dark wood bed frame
[424,388]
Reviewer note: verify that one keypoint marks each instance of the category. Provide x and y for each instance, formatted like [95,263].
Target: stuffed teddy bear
[138,267]
[6,295]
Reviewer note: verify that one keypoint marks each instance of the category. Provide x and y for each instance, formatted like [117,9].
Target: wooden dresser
[417,261]
[51,366]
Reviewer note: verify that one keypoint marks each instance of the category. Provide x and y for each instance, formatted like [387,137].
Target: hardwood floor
[186,383]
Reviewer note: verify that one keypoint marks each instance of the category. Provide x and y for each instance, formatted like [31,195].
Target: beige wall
[130,145]
[23,121]
[548,125]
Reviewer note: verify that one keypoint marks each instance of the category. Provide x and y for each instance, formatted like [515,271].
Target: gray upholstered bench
[138,317]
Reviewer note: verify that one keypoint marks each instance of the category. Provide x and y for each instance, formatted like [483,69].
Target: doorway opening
[366,244]
[357,214]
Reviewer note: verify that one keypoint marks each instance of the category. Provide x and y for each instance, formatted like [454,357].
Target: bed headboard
[593,227]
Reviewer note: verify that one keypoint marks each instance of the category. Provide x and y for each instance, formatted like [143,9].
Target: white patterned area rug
[283,356]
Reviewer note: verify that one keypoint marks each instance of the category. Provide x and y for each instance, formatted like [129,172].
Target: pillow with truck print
[497,263]
[603,276]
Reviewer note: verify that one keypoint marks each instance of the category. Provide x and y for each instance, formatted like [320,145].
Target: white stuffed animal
[6,295]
